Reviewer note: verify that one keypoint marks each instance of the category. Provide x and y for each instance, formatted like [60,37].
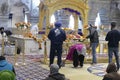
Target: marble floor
[77,73]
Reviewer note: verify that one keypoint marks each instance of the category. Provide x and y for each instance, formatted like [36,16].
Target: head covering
[111,68]
[7,75]
[2,58]
[54,68]
[58,24]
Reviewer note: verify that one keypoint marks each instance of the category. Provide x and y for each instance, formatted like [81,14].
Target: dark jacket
[4,65]
[111,73]
[93,35]
[57,38]
[113,38]
[56,76]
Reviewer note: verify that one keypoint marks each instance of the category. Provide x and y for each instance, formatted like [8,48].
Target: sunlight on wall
[98,21]
[25,18]
[80,26]
[52,20]
[71,22]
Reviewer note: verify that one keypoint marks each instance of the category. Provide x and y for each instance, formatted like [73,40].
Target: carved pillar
[42,10]
[85,22]
[41,19]
[47,20]
[45,52]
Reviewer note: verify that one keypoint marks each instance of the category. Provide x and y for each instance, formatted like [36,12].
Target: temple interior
[28,22]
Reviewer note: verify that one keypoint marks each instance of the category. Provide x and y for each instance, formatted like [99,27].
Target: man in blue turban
[58,24]
[56,37]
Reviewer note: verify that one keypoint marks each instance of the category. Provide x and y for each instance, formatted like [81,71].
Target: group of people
[113,38]
[57,36]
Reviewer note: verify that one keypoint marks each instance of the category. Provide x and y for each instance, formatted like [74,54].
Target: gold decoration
[39,41]
[48,7]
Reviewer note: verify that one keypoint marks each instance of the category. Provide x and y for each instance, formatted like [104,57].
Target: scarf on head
[7,75]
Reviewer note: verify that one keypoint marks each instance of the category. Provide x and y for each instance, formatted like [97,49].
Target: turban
[54,68]
[58,24]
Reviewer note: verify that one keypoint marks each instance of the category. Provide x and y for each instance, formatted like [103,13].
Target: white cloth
[5,37]
[57,32]
[82,52]
[34,29]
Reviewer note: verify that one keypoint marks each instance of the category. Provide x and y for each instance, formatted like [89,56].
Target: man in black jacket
[56,36]
[113,38]
[94,40]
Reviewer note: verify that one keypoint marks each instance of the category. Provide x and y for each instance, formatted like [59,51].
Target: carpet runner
[34,71]
[31,71]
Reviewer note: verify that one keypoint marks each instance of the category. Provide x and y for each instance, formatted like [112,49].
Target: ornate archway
[48,7]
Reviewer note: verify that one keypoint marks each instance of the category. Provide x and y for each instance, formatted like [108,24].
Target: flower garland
[73,37]
[39,41]
[23,24]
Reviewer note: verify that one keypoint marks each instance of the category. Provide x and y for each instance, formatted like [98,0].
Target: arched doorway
[48,7]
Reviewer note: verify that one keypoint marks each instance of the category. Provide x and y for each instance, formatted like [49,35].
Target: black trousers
[56,50]
[77,59]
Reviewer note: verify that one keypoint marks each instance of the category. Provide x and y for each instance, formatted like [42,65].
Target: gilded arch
[48,7]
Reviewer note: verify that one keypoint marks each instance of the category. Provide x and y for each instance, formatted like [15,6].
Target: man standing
[113,38]
[94,40]
[56,36]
